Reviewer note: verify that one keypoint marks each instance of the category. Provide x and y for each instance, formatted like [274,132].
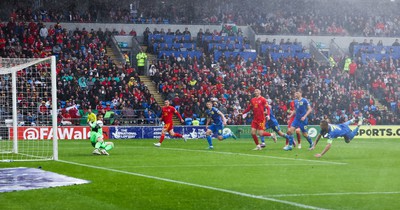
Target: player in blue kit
[217,126]
[273,124]
[302,110]
[331,132]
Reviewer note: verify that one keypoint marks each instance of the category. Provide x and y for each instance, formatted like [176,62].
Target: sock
[109,147]
[98,144]
[290,137]
[178,135]
[162,138]
[209,140]
[298,138]
[287,139]
[262,138]
[224,136]
[265,134]
[309,140]
[255,139]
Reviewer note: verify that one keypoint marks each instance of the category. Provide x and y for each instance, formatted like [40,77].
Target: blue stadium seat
[188,121]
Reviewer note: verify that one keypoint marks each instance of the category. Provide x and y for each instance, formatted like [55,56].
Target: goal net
[28,109]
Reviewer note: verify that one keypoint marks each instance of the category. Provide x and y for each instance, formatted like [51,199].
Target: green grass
[361,175]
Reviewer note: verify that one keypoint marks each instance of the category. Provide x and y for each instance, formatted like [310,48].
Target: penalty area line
[195,185]
[330,194]
[252,155]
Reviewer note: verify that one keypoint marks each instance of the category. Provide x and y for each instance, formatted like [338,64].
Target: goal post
[28,107]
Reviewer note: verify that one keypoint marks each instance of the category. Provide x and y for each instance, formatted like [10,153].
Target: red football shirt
[258,105]
[167,114]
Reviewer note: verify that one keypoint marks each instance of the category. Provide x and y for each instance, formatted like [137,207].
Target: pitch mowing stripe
[250,155]
[196,185]
[328,194]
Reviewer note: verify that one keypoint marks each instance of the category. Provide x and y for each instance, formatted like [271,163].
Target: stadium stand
[212,66]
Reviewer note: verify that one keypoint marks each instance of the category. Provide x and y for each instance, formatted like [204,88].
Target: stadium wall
[342,41]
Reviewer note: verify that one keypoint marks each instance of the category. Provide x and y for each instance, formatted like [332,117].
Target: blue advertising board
[154,132]
[125,132]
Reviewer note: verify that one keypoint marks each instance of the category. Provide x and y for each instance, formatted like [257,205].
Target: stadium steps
[151,58]
[110,53]
[153,89]
[157,96]
[151,86]
[380,106]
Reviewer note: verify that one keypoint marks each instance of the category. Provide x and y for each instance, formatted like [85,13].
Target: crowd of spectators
[355,18]
[189,83]
[86,76]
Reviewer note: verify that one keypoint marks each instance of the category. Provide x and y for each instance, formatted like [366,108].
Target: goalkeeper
[96,137]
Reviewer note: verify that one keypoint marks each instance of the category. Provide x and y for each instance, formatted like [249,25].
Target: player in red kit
[168,112]
[258,105]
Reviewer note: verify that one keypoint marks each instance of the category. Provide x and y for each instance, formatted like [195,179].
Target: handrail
[117,51]
[319,56]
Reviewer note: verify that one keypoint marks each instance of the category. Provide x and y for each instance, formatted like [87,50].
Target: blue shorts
[216,129]
[342,131]
[273,124]
[297,123]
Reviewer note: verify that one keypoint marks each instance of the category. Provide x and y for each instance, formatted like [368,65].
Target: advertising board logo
[312,132]
[31,133]
[67,132]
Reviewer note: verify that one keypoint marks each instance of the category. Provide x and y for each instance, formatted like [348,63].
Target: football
[226,131]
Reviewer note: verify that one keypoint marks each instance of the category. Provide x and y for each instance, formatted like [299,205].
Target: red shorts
[258,125]
[168,126]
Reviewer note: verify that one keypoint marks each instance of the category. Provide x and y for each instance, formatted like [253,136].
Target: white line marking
[327,194]
[196,185]
[251,155]
[237,165]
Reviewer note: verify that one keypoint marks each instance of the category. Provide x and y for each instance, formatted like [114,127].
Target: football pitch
[361,175]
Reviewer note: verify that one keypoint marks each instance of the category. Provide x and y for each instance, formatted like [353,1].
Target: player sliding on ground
[96,137]
[331,132]
[217,126]
[168,112]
